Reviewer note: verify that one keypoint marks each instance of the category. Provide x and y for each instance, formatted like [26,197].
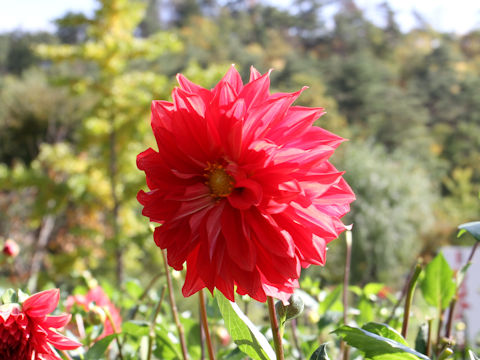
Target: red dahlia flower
[26,330]
[94,300]
[242,186]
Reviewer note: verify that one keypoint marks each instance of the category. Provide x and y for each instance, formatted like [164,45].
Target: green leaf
[385,331]
[472,355]
[438,285]
[375,346]
[320,353]
[373,288]
[136,328]
[165,349]
[422,338]
[473,228]
[97,351]
[9,296]
[331,300]
[134,288]
[243,331]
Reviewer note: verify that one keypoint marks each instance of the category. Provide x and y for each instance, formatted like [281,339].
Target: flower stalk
[429,337]
[151,335]
[203,314]
[173,306]
[408,300]
[346,279]
[277,338]
[115,331]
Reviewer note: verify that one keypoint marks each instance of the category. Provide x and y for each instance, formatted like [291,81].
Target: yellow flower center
[218,180]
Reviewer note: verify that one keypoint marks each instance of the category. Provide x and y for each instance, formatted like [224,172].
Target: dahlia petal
[256,92]
[191,87]
[254,74]
[247,193]
[212,228]
[193,103]
[314,137]
[225,95]
[166,235]
[238,239]
[234,129]
[263,117]
[61,342]
[322,224]
[42,303]
[57,321]
[275,293]
[296,122]
[233,78]
[268,232]
[193,282]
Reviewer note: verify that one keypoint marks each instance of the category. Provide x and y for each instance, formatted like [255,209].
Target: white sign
[467,309]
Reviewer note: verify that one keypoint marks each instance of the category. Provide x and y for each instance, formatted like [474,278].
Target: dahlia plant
[242,189]
[242,186]
[26,328]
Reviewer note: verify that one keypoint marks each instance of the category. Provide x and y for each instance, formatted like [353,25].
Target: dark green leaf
[473,228]
[243,331]
[438,285]
[422,339]
[375,346]
[385,331]
[97,351]
[320,353]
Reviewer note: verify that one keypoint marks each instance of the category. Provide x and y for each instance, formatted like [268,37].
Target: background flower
[242,186]
[96,301]
[26,330]
[11,248]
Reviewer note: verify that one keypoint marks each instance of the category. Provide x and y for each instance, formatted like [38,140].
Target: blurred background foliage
[74,113]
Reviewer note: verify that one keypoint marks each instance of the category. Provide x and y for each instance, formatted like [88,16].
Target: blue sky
[453,16]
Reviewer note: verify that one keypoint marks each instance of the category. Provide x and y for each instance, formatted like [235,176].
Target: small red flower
[11,248]
[96,298]
[26,330]
[242,186]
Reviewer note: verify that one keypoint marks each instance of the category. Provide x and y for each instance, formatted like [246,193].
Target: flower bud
[292,310]
[96,315]
[11,248]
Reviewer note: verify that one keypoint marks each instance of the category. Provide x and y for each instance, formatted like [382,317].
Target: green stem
[448,329]
[346,279]
[151,334]
[295,339]
[440,325]
[408,301]
[429,337]
[277,338]
[173,306]
[115,330]
[203,313]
